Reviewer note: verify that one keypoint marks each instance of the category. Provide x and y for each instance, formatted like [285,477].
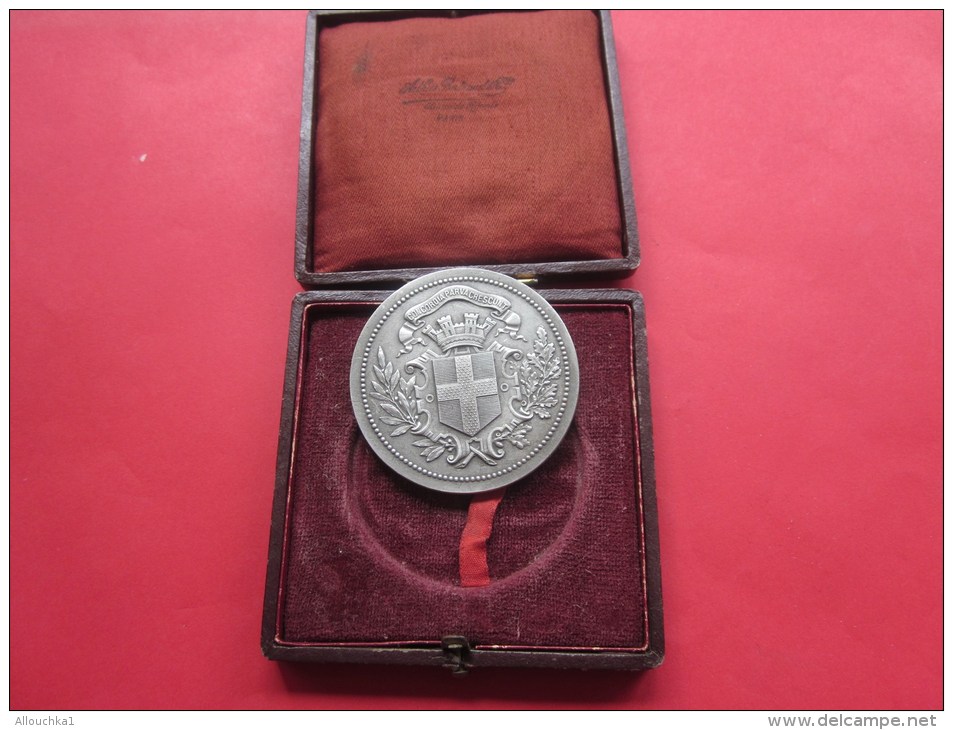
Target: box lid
[430,94]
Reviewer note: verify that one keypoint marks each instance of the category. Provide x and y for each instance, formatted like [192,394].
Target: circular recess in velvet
[419,530]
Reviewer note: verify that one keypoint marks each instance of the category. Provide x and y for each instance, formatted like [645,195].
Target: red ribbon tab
[474,571]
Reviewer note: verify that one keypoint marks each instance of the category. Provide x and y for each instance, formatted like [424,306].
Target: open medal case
[433,139]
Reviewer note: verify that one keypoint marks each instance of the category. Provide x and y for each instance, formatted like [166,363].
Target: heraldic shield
[468,396]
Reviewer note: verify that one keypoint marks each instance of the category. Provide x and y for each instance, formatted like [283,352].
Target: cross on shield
[468,396]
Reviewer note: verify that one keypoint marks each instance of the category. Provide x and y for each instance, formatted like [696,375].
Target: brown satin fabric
[482,139]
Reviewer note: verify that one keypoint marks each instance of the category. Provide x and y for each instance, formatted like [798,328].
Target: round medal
[464,380]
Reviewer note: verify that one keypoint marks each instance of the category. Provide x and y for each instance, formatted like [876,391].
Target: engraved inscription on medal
[465,380]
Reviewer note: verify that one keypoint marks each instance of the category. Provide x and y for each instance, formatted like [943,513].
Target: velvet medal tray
[432,140]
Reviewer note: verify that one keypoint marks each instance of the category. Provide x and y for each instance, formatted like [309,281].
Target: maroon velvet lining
[372,558]
[478,139]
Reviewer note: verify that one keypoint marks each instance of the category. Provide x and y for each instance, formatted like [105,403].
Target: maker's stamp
[453,98]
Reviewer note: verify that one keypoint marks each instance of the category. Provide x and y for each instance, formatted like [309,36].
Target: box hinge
[456,654]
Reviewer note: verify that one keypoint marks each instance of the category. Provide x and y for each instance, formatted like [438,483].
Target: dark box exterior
[452,651]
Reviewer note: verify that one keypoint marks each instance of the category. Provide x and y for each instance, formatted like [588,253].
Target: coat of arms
[474,384]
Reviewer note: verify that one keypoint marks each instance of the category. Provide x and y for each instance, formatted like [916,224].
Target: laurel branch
[398,400]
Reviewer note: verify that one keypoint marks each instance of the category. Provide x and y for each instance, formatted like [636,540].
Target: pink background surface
[787,172]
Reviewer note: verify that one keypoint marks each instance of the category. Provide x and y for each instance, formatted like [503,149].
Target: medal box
[438,139]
